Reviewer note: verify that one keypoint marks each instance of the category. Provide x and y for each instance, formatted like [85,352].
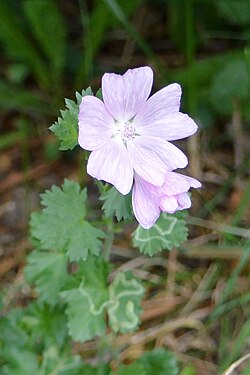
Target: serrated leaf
[48,271]
[61,224]
[11,332]
[87,301]
[45,324]
[116,204]
[133,369]
[125,294]
[66,127]
[160,362]
[87,238]
[168,232]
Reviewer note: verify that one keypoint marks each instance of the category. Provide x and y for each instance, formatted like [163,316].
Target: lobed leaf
[87,301]
[116,204]
[168,232]
[61,224]
[66,127]
[125,294]
[45,324]
[48,271]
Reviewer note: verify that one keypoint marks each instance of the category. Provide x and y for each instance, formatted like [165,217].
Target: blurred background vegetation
[52,48]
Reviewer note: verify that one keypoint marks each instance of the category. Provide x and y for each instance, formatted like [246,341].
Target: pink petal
[160,105]
[146,162]
[123,95]
[174,183]
[184,201]
[144,202]
[191,181]
[111,164]
[168,204]
[95,123]
[170,127]
[151,157]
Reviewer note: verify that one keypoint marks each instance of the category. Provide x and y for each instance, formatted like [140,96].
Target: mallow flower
[149,201]
[130,133]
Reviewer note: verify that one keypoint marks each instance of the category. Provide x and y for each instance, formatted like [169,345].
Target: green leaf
[45,324]
[61,224]
[160,362]
[168,232]
[20,362]
[235,11]
[133,369]
[66,127]
[87,300]
[125,294]
[230,83]
[116,204]
[58,363]
[11,332]
[48,271]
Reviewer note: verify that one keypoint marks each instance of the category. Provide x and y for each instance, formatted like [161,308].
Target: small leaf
[160,362]
[48,271]
[133,369]
[87,301]
[61,223]
[125,294]
[168,232]
[66,127]
[116,204]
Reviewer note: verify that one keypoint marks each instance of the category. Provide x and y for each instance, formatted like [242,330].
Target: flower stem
[109,239]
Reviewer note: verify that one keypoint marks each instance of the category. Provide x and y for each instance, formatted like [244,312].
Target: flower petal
[191,181]
[168,204]
[146,163]
[111,163]
[144,202]
[170,127]
[95,123]
[184,201]
[160,105]
[123,95]
[174,183]
[151,157]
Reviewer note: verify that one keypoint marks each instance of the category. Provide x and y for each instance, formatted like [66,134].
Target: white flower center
[126,131]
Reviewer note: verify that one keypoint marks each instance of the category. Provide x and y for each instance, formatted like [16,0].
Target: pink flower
[148,200]
[129,133]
